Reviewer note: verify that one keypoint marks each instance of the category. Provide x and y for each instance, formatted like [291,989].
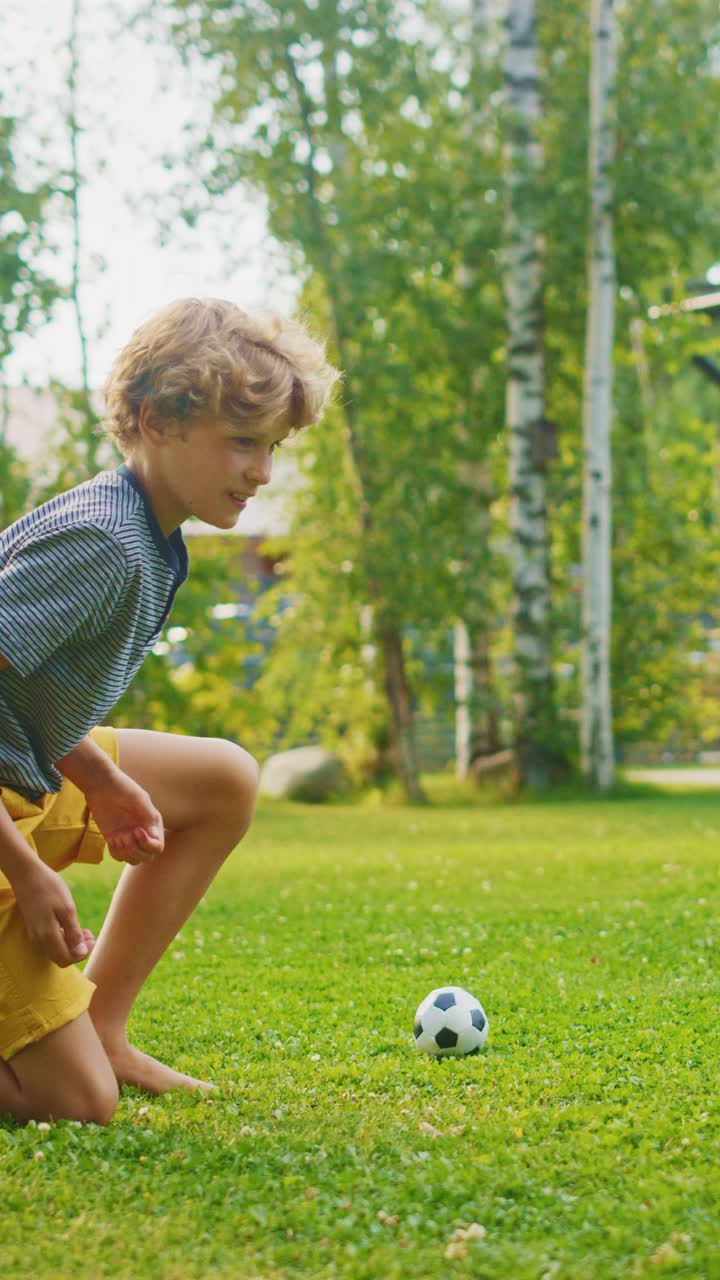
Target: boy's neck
[166,512]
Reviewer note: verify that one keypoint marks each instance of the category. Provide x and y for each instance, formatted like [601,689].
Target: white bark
[596,719]
[475,709]
[477,714]
[74,128]
[525,389]
[472,710]
[463,700]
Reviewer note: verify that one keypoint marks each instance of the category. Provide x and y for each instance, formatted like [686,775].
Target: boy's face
[209,469]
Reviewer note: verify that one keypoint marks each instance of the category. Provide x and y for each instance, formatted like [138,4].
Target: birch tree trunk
[596,721]
[82,403]
[463,699]
[534,714]
[476,718]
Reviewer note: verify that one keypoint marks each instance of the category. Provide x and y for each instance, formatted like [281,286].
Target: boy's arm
[127,817]
[124,812]
[83,570]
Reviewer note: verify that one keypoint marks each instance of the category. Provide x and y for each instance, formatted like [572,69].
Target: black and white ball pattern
[450,1023]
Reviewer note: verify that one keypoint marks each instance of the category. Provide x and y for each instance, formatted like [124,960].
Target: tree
[666,555]
[358,186]
[356,135]
[78,450]
[477,731]
[596,722]
[536,732]
[26,295]
[80,419]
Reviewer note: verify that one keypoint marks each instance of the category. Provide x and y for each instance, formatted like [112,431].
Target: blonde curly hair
[206,358]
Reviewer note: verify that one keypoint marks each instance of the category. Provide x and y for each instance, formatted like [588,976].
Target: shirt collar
[172,548]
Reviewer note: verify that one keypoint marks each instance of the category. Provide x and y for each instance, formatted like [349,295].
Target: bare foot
[131,1066]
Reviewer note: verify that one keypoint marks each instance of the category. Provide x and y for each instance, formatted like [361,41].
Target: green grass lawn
[583,1141]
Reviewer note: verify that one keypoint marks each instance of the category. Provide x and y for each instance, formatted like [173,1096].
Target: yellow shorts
[36,995]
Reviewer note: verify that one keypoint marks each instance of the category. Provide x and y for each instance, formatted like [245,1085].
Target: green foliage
[583,1140]
[665,545]
[196,679]
[25,292]
[358,135]
[357,178]
[668,96]
[374,134]
[319,681]
[15,485]
[666,542]
[25,296]
[77,448]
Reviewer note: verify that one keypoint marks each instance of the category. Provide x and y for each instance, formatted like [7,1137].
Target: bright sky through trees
[135,107]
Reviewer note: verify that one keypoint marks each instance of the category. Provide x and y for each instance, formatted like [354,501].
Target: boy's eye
[247,442]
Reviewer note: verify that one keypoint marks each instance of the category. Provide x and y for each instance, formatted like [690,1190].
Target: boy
[196,402]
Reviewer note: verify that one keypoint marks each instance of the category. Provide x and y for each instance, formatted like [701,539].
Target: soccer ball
[450,1023]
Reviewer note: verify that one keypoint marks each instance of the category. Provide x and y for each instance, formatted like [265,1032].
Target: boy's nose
[260,468]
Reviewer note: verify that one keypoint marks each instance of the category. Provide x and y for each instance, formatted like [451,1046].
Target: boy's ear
[149,424]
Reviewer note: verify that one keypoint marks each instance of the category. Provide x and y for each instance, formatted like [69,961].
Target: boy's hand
[128,819]
[47,908]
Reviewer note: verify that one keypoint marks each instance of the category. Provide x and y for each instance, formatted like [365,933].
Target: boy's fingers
[55,947]
[138,841]
[152,834]
[74,942]
[150,838]
[124,846]
[60,954]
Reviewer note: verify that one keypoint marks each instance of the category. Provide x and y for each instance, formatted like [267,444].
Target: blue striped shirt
[86,583]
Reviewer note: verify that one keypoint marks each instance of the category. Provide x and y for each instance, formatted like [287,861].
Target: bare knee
[237,776]
[97,1105]
[65,1076]
[91,1103]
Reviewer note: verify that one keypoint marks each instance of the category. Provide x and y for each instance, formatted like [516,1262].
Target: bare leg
[206,791]
[11,1096]
[64,1075]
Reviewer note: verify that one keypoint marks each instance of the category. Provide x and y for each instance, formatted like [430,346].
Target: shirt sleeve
[57,585]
